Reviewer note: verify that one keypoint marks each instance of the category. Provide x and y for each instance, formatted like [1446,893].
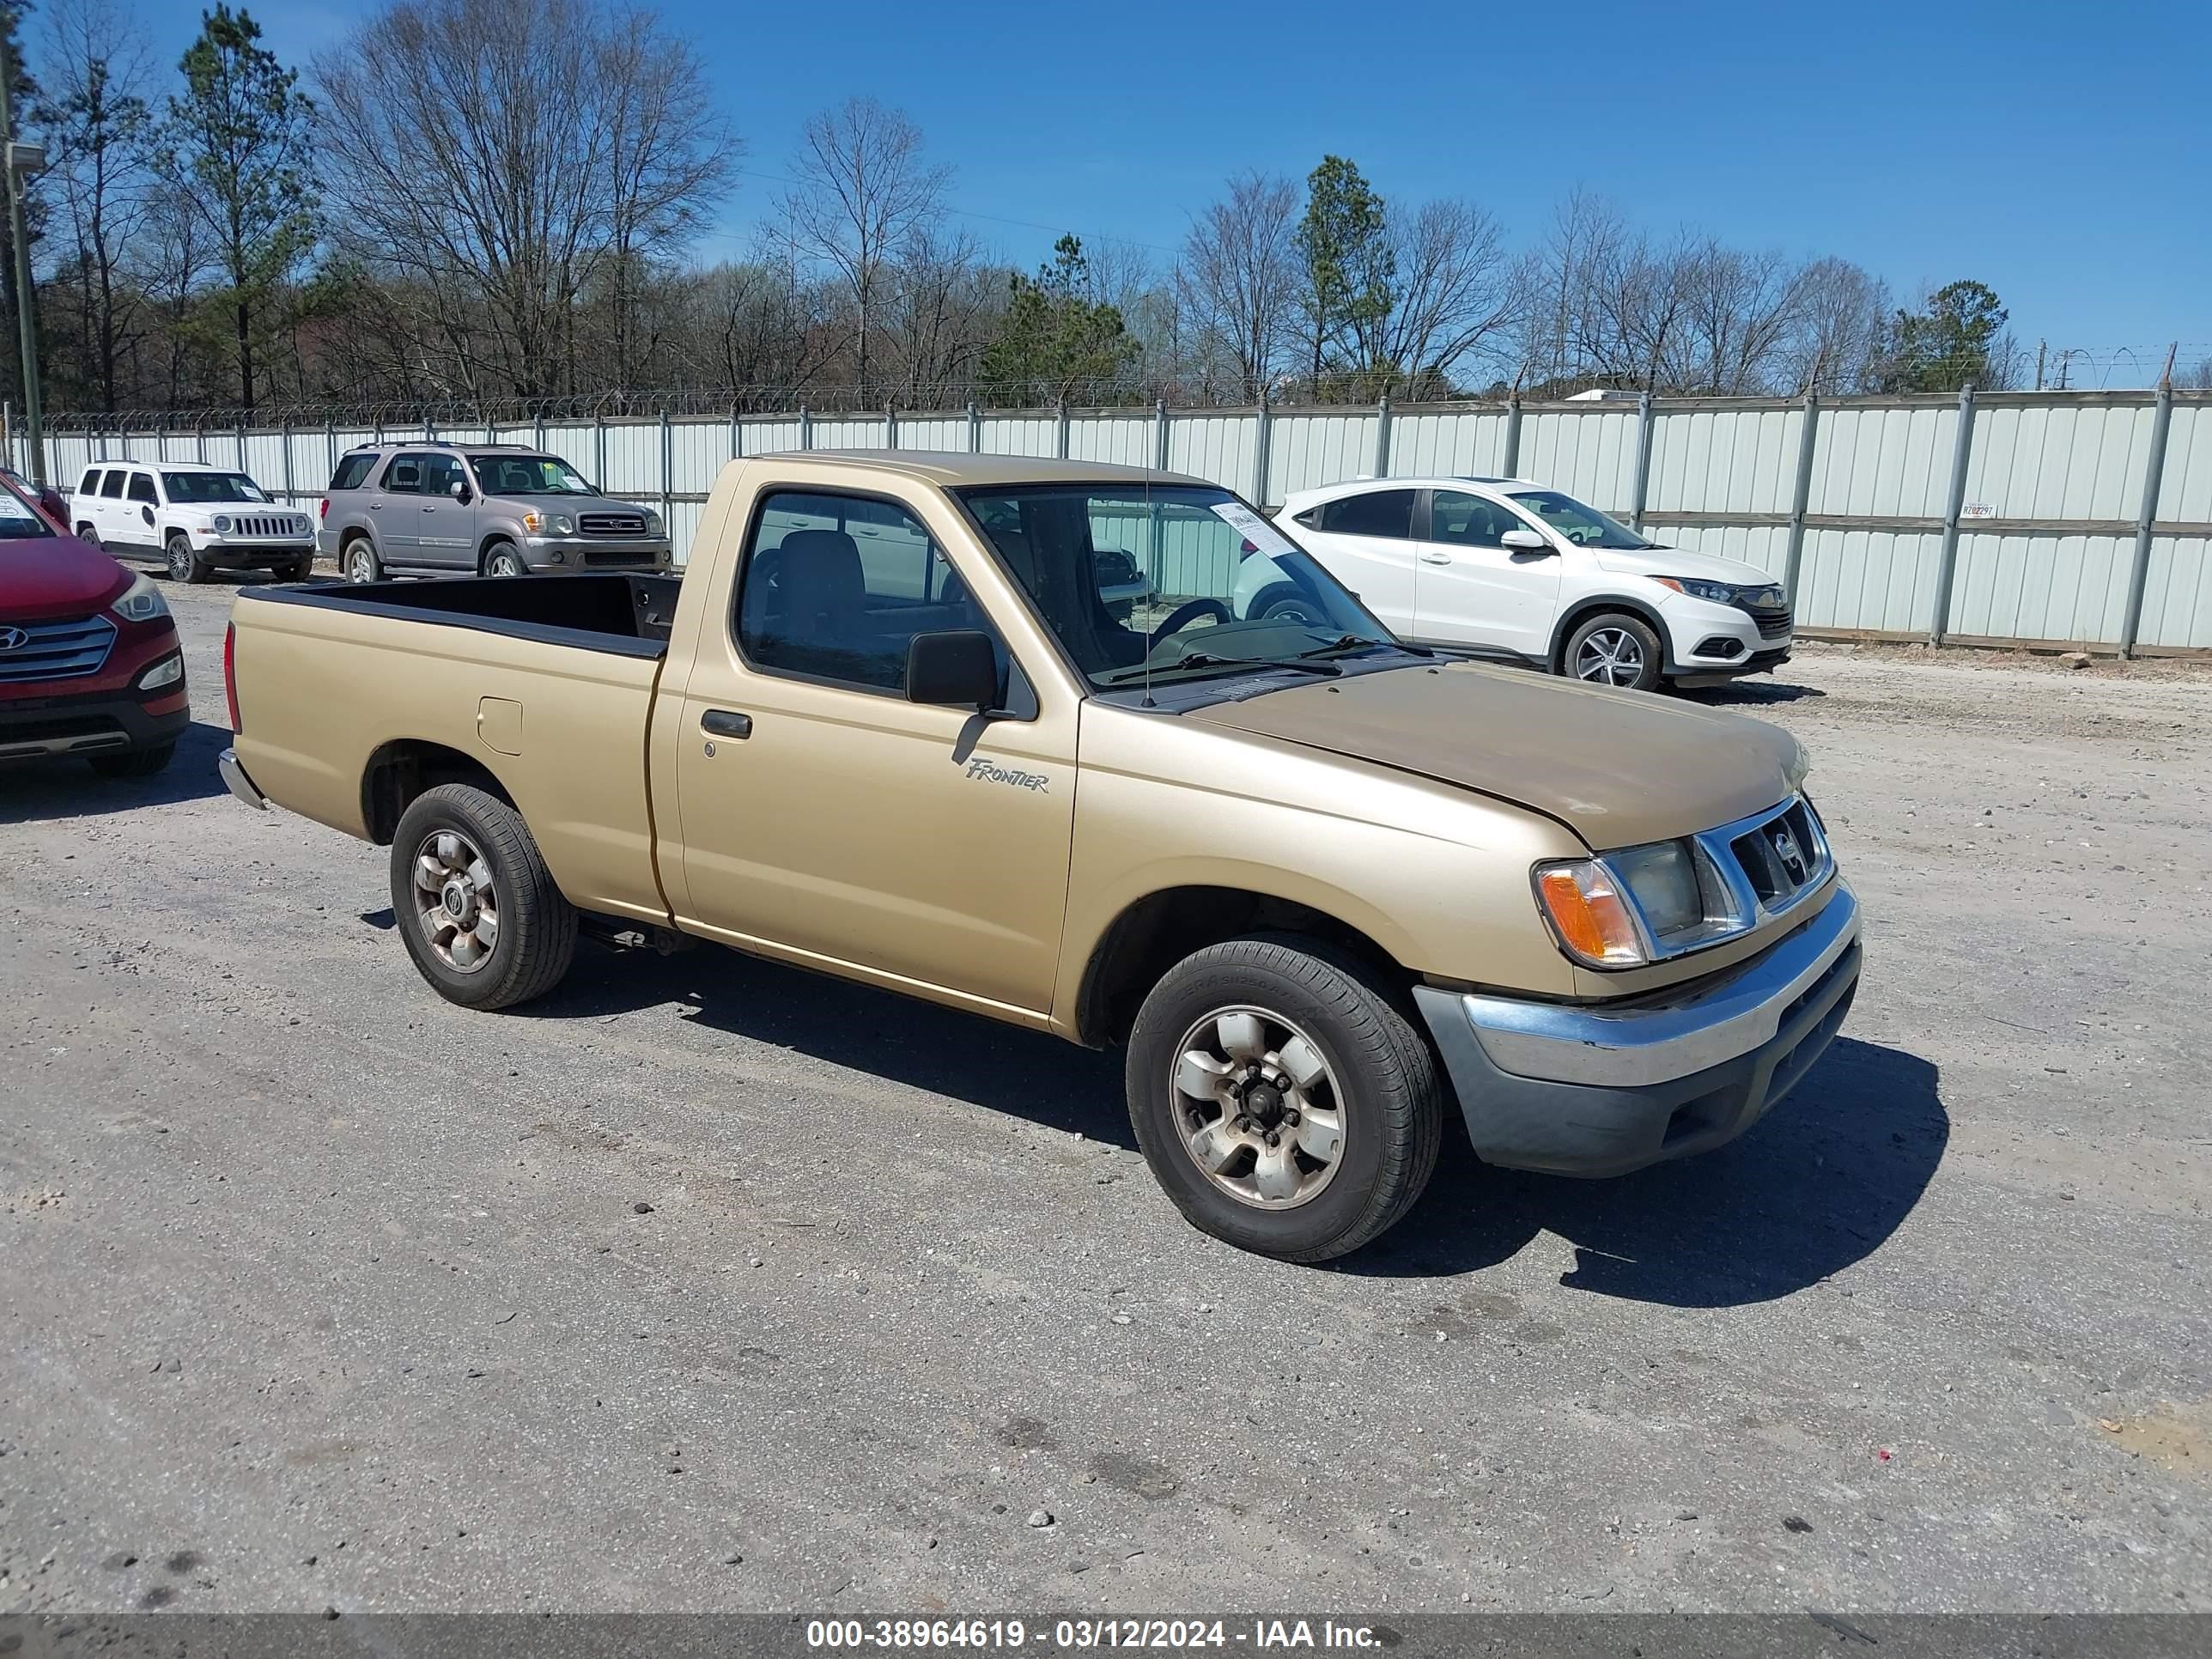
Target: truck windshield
[212,487]
[529,475]
[1168,581]
[1584,525]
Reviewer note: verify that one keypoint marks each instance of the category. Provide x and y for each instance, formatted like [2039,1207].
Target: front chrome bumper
[234,779]
[1604,1089]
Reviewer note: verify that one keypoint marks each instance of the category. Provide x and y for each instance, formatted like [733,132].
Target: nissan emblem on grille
[12,638]
[1785,848]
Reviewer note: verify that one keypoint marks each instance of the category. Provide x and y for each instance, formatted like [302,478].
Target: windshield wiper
[1347,644]
[1207,660]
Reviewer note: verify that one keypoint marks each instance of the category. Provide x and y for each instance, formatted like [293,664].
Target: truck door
[395,510]
[826,817]
[446,526]
[139,525]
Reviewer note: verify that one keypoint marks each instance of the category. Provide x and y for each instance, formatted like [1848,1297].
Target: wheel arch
[1152,933]
[491,539]
[1583,610]
[404,768]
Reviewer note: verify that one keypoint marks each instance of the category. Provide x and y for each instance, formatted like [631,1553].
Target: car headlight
[167,672]
[652,525]
[1633,906]
[140,602]
[562,524]
[1712,592]
[222,524]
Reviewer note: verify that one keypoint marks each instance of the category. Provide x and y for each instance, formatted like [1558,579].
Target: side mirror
[458,490]
[1524,541]
[957,669]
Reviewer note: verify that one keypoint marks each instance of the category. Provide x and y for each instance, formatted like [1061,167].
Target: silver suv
[448,509]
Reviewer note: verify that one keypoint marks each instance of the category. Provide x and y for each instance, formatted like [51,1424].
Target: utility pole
[22,158]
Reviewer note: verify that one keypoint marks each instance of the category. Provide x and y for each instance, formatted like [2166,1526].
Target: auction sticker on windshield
[1263,536]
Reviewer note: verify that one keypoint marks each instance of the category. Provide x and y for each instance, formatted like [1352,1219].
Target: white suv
[1505,568]
[195,518]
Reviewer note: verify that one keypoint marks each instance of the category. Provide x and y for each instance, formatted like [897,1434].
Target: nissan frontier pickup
[901,720]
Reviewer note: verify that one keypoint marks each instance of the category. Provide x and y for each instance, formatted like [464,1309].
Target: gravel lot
[319,1291]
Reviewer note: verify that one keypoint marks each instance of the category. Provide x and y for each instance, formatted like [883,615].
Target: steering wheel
[1187,613]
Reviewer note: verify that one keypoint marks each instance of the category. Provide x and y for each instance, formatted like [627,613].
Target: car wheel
[504,561]
[480,912]
[134,762]
[89,536]
[1283,1099]
[360,562]
[1286,602]
[298,571]
[1615,649]
[185,565]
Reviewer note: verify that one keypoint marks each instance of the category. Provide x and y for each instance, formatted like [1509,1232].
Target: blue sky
[2062,153]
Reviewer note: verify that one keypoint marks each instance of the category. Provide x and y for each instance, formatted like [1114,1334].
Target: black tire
[501,559]
[357,561]
[537,925]
[134,762]
[90,536]
[1286,602]
[1614,636]
[298,571]
[185,565]
[1388,1093]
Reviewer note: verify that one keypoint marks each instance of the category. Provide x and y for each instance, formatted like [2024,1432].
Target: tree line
[485,201]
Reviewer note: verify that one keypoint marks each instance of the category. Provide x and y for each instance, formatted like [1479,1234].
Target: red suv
[89,660]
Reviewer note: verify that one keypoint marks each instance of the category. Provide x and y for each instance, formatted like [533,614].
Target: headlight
[1636,905]
[222,524]
[562,525]
[652,525]
[140,602]
[167,672]
[1712,592]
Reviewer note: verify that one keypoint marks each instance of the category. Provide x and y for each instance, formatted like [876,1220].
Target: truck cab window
[836,587]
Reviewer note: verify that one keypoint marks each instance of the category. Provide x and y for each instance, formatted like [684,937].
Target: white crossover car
[1505,567]
[195,518]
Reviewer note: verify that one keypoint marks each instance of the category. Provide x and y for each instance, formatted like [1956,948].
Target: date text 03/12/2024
[1084,1634]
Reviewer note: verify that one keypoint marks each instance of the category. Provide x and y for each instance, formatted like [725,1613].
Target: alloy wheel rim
[457,903]
[1612,656]
[180,562]
[1257,1108]
[358,567]
[504,564]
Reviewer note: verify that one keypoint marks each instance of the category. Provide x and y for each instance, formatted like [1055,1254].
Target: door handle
[376,507]
[1436,558]
[727,723]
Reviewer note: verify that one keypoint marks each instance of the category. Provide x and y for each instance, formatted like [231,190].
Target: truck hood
[1617,768]
[46,576]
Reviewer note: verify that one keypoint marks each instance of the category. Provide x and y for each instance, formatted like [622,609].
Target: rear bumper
[234,778]
[1603,1090]
[101,722]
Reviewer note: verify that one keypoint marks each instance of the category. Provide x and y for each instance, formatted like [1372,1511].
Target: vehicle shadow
[1816,1185]
[34,790]
[1001,1068]
[1742,694]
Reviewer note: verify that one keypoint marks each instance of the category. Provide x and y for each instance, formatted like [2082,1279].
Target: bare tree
[945,304]
[861,190]
[1738,308]
[1449,295]
[1842,315]
[1238,278]
[98,127]
[488,203]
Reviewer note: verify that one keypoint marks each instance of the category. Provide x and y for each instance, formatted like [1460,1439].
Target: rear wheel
[1283,1100]
[185,565]
[360,563]
[1618,649]
[479,910]
[134,762]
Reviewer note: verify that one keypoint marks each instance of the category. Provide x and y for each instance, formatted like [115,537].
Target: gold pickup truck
[1098,751]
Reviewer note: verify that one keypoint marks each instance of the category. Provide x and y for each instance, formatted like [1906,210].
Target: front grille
[1782,857]
[264,523]
[1771,624]
[611,524]
[54,650]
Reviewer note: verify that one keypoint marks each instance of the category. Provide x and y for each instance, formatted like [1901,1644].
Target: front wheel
[504,561]
[1283,1100]
[1616,649]
[479,910]
[185,565]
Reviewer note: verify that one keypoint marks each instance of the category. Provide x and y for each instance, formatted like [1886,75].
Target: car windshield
[1578,523]
[19,519]
[529,475]
[1152,583]
[212,487]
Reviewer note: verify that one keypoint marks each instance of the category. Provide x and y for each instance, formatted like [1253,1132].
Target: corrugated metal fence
[2065,518]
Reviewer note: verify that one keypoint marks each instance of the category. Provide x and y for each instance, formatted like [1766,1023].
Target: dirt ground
[319,1291]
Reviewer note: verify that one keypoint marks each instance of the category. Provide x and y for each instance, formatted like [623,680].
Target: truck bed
[624,613]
